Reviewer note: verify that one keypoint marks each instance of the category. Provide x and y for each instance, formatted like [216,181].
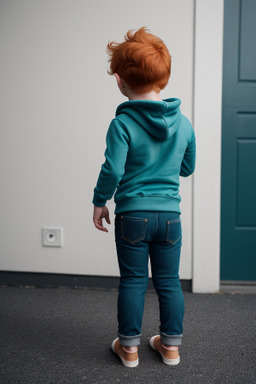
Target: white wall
[207,122]
[56,104]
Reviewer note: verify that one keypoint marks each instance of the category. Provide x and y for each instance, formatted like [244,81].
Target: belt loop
[157,221]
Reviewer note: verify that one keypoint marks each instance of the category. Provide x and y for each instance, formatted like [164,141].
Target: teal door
[238,191]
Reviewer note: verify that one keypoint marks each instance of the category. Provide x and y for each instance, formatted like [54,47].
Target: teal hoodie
[149,145]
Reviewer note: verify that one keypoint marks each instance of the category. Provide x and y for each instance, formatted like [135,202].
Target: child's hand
[99,214]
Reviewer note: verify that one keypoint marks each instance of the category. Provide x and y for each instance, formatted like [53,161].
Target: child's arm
[189,159]
[112,170]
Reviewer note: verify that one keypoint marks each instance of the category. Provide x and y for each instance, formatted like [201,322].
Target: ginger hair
[142,61]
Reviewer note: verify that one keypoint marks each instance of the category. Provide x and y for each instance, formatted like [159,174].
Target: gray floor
[63,336]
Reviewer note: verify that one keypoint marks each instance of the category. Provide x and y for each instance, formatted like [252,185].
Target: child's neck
[152,95]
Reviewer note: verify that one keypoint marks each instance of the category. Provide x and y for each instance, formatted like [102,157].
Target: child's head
[142,61]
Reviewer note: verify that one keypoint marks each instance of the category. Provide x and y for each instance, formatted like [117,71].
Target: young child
[149,145]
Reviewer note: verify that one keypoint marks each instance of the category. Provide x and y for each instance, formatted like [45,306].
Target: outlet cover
[52,236]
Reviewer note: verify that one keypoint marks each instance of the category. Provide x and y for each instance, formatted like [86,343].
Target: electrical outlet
[52,236]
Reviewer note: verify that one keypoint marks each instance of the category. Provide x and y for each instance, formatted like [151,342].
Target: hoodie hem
[157,204]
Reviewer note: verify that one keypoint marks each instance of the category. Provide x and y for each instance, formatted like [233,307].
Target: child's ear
[121,84]
[119,81]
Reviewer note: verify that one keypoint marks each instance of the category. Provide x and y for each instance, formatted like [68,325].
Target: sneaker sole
[165,360]
[128,364]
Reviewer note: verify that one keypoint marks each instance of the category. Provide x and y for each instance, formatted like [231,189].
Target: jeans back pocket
[173,231]
[133,229]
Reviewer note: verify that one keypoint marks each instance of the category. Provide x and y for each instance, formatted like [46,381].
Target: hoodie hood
[160,119]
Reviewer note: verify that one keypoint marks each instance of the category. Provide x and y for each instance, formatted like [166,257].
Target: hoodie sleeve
[189,159]
[113,168]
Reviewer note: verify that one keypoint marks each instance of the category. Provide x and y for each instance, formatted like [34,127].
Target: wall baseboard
[64,280]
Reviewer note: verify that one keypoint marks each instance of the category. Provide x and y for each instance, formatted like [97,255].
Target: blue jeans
[140,235]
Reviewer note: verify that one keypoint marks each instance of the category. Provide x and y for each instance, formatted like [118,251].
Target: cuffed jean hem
[129,341]
[170,339]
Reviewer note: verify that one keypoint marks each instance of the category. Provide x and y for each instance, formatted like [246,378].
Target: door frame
[207,115]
